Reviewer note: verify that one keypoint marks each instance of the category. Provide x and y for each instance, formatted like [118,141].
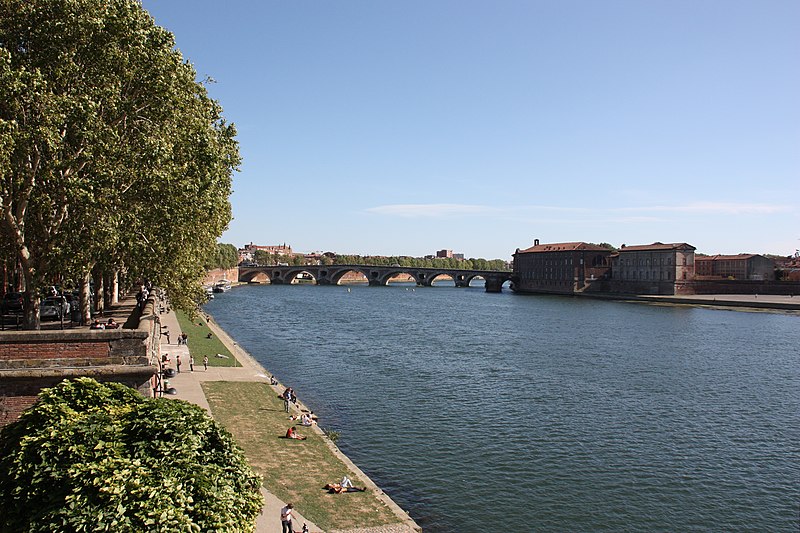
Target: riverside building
[565,267]
[742,266]
[656,268]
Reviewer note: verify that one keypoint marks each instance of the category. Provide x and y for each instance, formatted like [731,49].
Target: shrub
[100,457]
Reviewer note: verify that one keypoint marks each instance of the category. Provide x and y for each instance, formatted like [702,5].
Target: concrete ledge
[103,373]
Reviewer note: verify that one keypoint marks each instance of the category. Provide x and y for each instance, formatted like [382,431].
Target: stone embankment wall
[218,274]
[736,286]
[33,360]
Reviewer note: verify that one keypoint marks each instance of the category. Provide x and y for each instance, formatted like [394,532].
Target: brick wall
[33,360]
[213,276]
[745,287]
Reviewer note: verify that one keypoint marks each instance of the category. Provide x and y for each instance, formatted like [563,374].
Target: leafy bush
[100,457]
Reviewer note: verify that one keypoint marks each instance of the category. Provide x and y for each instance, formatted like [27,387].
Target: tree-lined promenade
[114,161]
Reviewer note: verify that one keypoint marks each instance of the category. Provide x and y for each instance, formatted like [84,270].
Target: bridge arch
[255,276]
[470,278]
[336,277]
[443,276]
[384,280]
[295,275]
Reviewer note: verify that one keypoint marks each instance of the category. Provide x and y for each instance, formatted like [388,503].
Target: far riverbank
[743,302]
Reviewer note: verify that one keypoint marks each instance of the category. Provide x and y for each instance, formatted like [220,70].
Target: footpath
[189,388]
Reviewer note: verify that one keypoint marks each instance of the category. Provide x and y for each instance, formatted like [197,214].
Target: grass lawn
[295,471]
[199,343]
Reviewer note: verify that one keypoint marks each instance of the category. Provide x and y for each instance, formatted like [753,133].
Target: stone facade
[656,268]
[739,267]
[33,360]
[565,268]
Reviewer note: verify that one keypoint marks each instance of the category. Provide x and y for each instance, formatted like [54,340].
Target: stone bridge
[376,275]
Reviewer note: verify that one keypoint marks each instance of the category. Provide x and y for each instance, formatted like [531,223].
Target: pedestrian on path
[191,363]
[205,362]
[286,519]
[178,362]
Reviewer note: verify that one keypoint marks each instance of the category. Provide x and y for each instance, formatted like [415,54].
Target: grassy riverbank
[202,341]
[295,471]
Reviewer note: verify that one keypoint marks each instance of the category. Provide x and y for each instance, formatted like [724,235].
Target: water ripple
[552,413]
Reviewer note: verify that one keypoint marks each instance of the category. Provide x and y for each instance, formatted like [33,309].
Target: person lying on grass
[337,488]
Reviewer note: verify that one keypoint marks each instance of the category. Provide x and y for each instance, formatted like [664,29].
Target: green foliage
[112,155]
[332,435]
[420,262]
[223,256]
[100,457]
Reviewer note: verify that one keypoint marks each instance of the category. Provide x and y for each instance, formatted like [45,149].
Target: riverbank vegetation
[265,258]
[224,256]
[203,342]
[114,161]
[294,470]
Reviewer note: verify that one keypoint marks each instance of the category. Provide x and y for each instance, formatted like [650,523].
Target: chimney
[536,242]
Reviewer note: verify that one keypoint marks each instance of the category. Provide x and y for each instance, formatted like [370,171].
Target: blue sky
[401,128]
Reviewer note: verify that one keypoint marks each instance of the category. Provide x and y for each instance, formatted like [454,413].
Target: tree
[112,155]
[100,457]
[223,256]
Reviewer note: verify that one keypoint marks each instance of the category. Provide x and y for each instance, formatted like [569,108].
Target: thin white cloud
[714,208]
[645,213]
[430,210]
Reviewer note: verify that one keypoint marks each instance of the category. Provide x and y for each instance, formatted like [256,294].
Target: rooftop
[563,246]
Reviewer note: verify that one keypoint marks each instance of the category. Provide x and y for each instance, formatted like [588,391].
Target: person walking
[191,363]
[205,362]
[178,362]
[286,519]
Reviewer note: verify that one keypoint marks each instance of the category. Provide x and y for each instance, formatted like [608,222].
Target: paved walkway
[187,384]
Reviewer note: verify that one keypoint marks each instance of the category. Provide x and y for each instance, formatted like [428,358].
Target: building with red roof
[741,266]
[565,267]
[656,268]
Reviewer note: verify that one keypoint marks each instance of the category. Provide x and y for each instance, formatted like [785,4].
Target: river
[482,412]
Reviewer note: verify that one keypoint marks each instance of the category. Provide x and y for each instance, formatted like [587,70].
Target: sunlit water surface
[544,413]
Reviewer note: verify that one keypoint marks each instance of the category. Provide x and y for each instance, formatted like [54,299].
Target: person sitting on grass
[305,420]
[291,433]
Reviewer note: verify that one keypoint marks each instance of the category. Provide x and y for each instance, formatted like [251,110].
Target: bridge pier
[494,284]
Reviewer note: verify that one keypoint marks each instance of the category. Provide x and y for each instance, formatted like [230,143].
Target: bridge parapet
[376,275]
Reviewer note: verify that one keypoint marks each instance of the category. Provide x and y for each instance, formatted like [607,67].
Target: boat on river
[222,285]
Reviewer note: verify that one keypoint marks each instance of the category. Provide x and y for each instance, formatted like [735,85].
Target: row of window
[655,275]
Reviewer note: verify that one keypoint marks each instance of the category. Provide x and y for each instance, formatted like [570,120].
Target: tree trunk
[31,306]
[114,287]
[86,310]
[99,297]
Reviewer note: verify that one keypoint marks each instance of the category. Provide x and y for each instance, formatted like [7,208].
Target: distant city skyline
[404,128]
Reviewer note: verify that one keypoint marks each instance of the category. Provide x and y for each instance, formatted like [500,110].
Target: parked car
[51,308]
[12,302]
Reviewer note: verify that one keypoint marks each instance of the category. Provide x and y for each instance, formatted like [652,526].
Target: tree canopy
[223,256]
[112,154]
[100,457]
[265,258]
